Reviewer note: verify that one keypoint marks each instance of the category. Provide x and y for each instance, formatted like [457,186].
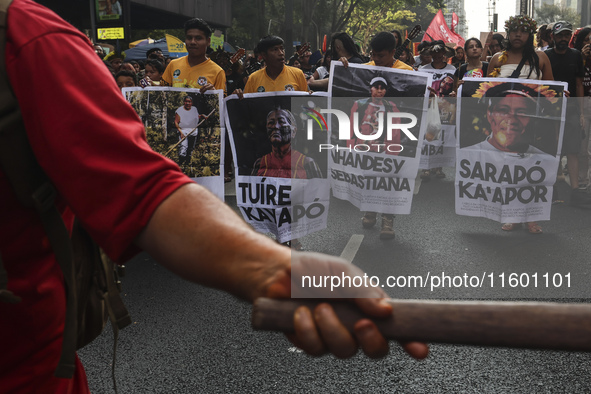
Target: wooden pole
[533,325]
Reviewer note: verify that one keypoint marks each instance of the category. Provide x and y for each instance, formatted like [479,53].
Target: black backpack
[91,279]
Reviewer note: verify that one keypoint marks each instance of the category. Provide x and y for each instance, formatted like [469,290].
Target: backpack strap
[33,189]
[6,107]
[517,71]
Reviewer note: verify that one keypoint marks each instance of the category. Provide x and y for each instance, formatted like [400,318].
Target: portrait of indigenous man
[371,112]
[512,113]
[510,133]
[186,120]
[283,161]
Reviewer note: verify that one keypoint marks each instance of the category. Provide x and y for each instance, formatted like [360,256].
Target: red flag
[438,30]
[324,44]
[454,21]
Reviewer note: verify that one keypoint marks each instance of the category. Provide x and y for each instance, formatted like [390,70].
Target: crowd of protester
[131,198]
[498,56]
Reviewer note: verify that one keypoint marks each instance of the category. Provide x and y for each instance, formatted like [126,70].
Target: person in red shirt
[128,198]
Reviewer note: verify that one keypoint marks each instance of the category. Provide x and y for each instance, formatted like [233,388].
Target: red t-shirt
[92,145]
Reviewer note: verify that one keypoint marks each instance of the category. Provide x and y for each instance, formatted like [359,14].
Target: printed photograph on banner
[108,10]
[441,150]
[377,127]
[281,184]
[185,126]
[510,136]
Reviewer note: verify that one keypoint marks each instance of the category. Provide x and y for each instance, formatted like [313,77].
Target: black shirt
[567,67]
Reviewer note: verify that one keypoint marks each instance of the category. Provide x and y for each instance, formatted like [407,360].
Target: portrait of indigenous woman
[520,59]
[283,161]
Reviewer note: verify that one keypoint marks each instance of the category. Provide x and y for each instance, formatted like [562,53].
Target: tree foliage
[549,13]
[313,19]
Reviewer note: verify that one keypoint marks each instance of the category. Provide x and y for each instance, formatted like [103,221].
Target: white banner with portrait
[281,184]
[510,136]
[376,135]
[185,126]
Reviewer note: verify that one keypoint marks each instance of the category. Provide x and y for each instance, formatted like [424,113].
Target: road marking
[294,349]
[352,247]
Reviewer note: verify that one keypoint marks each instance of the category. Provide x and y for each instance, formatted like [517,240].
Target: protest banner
[381,116]
[510,136]
[281,185]
[185,126]
[439,149]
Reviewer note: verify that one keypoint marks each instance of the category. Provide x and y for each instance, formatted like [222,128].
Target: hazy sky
[477,15]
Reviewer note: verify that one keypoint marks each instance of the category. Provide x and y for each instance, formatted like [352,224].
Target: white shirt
[188,119]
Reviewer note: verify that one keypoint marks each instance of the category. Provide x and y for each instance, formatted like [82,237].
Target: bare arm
[198,237]
[319,84]
[177,120]
[494,63]
[486,47]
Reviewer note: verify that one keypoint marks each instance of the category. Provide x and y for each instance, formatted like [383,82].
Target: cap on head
[439,46]
[378,80]
[561,26]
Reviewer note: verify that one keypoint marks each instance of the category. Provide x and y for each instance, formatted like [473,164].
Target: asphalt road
[190,339]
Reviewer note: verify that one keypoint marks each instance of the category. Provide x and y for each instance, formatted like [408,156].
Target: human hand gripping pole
[532,325]
[313,325]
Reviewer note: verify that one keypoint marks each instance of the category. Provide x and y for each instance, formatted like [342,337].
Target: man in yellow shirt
[276,76]
[195,70]
[383,46]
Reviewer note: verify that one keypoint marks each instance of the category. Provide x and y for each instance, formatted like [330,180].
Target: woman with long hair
[342,46]
[520,53]
[521,60]
[474,66]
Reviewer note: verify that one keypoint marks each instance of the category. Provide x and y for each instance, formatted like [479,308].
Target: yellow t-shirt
[290,79]
[179,74]
[397,64]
